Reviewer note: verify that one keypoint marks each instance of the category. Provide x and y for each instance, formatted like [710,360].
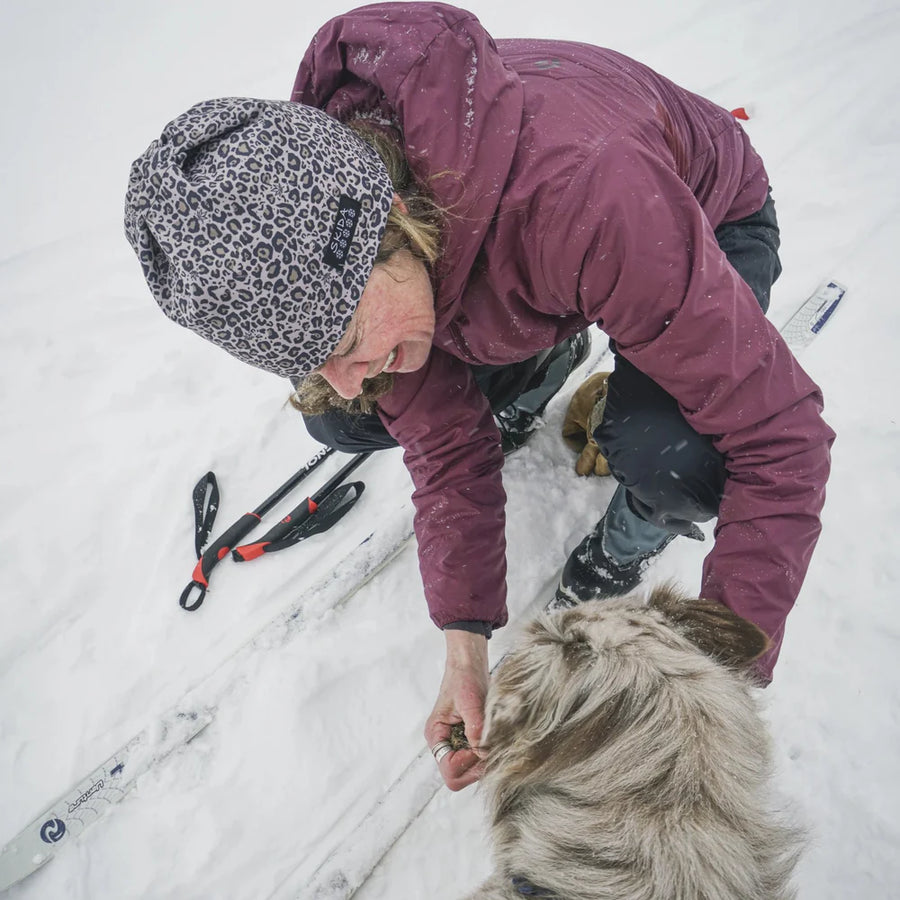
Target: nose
[344,376]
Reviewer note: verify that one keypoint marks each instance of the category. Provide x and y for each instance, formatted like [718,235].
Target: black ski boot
[611,560]
[518,420]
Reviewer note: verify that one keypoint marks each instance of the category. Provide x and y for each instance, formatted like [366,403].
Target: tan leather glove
[584,414]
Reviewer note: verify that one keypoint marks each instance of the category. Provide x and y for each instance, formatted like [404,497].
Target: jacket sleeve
[632,241]
[452,451]
[432,70]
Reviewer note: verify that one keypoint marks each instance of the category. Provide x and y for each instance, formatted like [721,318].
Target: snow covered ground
[109,414]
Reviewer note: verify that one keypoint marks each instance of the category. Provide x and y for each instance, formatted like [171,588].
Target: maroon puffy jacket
[584,188]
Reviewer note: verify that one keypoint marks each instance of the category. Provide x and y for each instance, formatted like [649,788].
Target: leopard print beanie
[256,223]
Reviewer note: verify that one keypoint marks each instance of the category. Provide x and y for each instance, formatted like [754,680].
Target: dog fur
[626,759]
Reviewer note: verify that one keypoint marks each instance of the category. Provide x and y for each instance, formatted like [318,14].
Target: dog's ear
[550,702]
[712,626]
[525,695]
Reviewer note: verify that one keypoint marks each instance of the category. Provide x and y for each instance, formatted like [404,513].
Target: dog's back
[627,759]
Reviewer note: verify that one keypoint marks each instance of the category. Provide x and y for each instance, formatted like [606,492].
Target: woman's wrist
[465,647]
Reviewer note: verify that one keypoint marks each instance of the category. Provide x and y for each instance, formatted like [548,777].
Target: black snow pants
[674,476]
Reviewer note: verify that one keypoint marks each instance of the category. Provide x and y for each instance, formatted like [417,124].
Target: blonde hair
[418,227]
[415,228]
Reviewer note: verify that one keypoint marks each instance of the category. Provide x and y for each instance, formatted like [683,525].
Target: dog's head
[580,676]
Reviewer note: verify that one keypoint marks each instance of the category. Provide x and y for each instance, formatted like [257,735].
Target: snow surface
[109,414]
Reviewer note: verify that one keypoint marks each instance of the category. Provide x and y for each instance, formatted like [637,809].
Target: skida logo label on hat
[342,234]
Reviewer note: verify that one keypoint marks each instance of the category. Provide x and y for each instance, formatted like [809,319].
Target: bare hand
[461,699]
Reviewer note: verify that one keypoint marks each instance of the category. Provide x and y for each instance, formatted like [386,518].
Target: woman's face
[391,330]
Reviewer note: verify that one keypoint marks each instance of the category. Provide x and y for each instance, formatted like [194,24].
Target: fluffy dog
[626,759]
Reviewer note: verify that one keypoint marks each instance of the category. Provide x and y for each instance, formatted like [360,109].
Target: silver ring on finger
[440,750]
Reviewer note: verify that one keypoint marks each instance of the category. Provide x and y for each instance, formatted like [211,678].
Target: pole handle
[307,519]
[213,555]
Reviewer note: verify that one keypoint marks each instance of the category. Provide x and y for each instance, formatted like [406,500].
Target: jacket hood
[457,105]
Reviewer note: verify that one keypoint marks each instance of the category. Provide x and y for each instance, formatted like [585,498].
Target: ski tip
[812,316]
[830,295]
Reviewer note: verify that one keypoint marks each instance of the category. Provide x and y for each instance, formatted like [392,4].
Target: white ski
[95,794]
[801,329]
[89,800]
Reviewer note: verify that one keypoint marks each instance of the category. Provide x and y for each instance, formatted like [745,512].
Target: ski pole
[313,515]
[240,529]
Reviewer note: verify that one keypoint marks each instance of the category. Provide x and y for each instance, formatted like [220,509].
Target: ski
[351,863]
[801,329]
[93,796]
[90,798]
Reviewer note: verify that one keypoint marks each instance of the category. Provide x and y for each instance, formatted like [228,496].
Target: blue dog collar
[527,889]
